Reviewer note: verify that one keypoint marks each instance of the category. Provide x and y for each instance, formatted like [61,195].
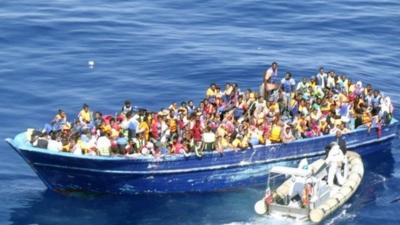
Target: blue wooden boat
[179,173]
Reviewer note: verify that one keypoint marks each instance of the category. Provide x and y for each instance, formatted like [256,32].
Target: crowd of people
[282,111]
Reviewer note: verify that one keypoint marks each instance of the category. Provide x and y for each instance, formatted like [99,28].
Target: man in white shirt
[54,144]
[270,79]
[209,139]
[322,77]
[103,145]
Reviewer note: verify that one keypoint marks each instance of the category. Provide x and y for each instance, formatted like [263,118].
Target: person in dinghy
[337,162]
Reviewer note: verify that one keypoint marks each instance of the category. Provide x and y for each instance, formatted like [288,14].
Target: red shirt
[196,131]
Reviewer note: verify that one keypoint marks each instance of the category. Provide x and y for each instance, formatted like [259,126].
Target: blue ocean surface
[157,52]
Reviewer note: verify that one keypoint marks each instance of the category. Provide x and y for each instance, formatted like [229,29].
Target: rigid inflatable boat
[304,194]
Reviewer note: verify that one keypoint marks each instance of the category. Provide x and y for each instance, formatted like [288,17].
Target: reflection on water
[48,207]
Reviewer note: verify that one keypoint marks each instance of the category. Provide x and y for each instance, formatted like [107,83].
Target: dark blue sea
[156,52]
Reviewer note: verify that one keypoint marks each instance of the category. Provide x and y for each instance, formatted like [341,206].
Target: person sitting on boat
[190,106]
[148,149]
[254,136]
[358,89]
[287,135]
[103,145]
[302,86]
[54,144]
[59,120]
[173,109]
[386,111]
[177,147]
[85,116]
[368,98]
[276,130]
[209,139]
[334,161]
[222,143]
[75,148]
[260,110]
[121,142]
[366,116]
[376,102]
[98,119]
[240,107]
[211,91]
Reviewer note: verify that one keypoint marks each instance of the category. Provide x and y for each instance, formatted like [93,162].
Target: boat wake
[276,220]
[342,215]
[377,179]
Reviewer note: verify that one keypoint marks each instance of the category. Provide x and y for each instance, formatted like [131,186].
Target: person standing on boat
[127,107]
[270,80]
[335,160]
[288,87]
[341,142]
[131,124]
[322,77]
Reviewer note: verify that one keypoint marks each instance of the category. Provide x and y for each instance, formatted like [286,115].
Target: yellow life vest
[337,122]
[274,107]
[85,115]
[236,143]
[58,117]
[343,97]
[302,108]
[66,148]
[366,119]
[83,146]
[352,88]
[323,124]
[145,127]
[245,141]
[292,102]
[114,133]
[106,128]
[211,92]
[326,108]
[275,133]
[172,126]
[261,139]
[224,143]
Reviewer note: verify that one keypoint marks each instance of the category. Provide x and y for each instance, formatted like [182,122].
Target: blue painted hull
[212,172]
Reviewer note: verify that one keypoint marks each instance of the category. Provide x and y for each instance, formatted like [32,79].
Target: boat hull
[172,174]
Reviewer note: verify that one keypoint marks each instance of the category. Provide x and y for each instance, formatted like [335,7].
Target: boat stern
[297,213]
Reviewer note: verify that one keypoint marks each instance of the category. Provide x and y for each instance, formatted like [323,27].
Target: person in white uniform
[335,160]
